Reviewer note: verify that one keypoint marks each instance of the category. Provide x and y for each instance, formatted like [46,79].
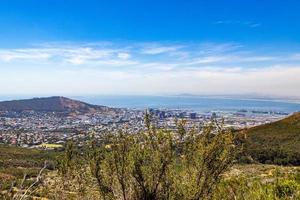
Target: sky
[150,47]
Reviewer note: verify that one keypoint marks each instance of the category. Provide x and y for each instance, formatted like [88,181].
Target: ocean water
[196,103]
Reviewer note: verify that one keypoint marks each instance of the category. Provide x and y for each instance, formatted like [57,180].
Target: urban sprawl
[51,130]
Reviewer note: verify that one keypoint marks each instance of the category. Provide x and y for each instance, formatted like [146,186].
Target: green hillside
[277,142]
[15,162]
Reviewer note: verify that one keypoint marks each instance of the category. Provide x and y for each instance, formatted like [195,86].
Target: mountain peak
[48,104]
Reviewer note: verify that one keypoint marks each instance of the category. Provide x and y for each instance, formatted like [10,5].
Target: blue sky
[72,47]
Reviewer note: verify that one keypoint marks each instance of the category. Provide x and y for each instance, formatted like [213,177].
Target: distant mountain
[277,142]
[49,104]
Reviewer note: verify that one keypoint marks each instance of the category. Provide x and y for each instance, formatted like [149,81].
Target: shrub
[160,164]
[286,188]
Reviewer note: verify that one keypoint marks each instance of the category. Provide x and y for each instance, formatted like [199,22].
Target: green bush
[286,188]
[157,164]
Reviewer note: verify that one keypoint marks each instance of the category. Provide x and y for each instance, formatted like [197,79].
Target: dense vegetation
[274,143]
[267,182]
[18,163]
[157,164]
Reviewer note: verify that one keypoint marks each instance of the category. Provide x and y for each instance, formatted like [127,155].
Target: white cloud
[23,54]
[153,49]
[124,56]
[250,24]
[275,80]
[231,59]
[205,68]
[215,48]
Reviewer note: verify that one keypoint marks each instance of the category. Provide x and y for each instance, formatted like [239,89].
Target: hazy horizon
[97,97]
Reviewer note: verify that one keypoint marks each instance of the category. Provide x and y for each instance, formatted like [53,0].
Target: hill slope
[49,104]
[277,142]
[17,161]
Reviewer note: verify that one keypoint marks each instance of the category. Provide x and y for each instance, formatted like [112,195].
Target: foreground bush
[158,164]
